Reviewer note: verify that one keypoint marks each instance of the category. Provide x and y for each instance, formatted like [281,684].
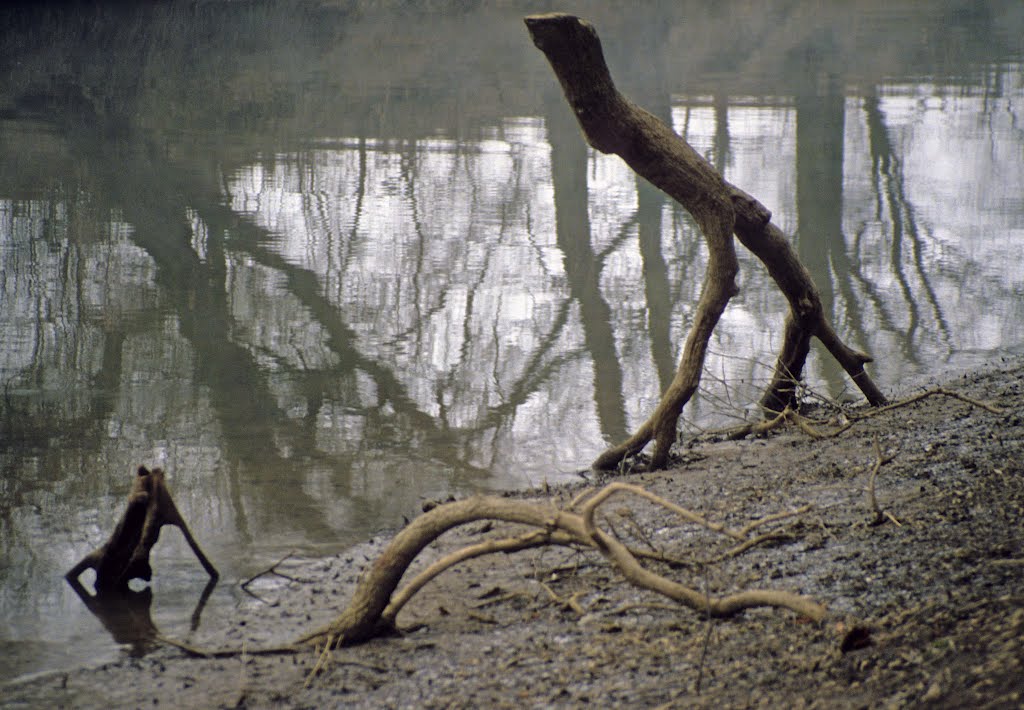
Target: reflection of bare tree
[822,246]
[64,388]
[657,292]
[721,146]
[255,431]
[408,171]
[891,201]
[539,367]
[409,420]
[341,339]
[819,197]
[583,269]
[426,432]
[252,424]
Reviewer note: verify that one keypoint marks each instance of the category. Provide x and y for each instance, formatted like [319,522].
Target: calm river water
[323,261]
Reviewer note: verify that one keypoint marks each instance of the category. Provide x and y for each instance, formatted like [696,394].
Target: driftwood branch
[613,124]
[375,602]
[880,460]
[125,556]
[534,538]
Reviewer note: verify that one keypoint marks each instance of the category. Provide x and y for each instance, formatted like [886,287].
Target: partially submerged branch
[125,556]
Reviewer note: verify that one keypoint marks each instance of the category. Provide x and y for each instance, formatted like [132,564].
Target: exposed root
[534,538]
[631,569]
[375,604]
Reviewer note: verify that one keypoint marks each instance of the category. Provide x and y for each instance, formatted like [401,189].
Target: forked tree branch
[611,123]
[375,604]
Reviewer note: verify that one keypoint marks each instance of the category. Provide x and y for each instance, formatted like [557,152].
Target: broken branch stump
[125,556]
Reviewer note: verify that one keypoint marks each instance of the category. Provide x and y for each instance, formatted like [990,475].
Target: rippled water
[324,262]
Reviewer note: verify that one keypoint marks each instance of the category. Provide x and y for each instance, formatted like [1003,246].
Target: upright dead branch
[125,556]
[613,124]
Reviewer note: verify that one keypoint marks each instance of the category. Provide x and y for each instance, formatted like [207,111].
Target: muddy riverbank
[925,601]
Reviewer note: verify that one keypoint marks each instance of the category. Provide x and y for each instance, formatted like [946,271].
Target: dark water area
[323,261]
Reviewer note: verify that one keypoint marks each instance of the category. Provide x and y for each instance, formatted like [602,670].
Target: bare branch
[373,609]
[880,460]
[611,123]
[535,538]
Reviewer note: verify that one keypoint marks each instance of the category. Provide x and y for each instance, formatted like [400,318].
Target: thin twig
[744,546]
[228,652]
[594,501]
[707,639]
[625,608]
[757,428]
[806,425]
[272,569]
[501,599]
[930,393]
[573,602]
[749,527]
[880,515]
[638,530]
[1016,562]
[326,657]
